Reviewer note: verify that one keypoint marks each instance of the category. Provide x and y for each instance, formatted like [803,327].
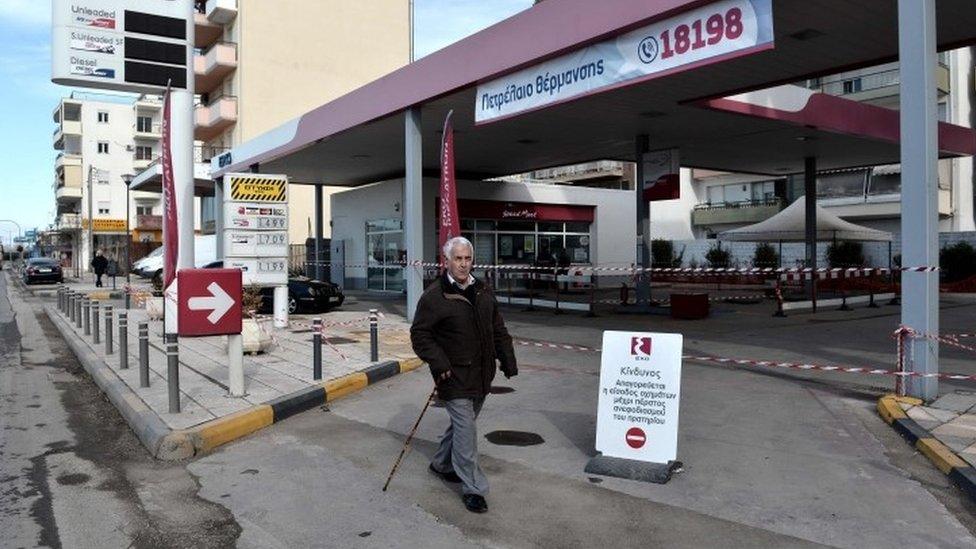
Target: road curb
[944,459]
[176,444]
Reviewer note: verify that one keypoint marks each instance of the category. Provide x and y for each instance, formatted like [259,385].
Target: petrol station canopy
[713,112]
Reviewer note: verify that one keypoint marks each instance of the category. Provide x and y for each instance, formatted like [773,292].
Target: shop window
[516,248]
[385,253]
[578,227]
[578,248]
[485,225]
[550,227]
[510,225]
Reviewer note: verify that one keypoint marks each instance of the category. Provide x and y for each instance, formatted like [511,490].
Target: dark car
[304,294]
[42,269]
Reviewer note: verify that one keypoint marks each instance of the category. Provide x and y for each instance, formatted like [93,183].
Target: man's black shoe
[475,503]
[449,477]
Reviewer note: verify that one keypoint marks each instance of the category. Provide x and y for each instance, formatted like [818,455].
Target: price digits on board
[271,239]
[717,27]
[271,266]
[271,222]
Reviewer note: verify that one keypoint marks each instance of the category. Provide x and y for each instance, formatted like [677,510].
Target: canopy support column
[810,189]
[218,205]
[643,240]
[919,189]
[319,222]
[413,217]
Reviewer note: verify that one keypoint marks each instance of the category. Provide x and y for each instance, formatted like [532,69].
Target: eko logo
[647,49]
[640,346]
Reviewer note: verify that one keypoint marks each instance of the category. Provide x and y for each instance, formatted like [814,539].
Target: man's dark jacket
[99,263]
[461,332]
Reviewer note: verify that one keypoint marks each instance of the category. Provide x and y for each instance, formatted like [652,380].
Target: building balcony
[213,65]
[142,161]
[147,131]
[221,12]
[151,103]
[68,222]
[206,31]
[66,193]
[580,172]
[66,159]
[745,212]
[64,129]
[149,222]
[215,117]
[877,85]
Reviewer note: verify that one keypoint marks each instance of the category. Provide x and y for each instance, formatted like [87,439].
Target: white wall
[671,219]
[611,232]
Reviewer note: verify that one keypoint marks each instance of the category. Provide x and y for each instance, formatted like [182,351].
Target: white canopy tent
[789,225]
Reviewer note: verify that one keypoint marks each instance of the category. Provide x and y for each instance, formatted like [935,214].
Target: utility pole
[91,217]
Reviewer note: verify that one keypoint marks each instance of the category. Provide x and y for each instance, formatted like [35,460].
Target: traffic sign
[209,302]
[640,388]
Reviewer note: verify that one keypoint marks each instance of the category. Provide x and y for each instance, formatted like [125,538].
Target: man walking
[99,264]
[458,331]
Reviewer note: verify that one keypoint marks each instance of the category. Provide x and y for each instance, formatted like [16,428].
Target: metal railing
[772,201]
[851,84]
[150,128]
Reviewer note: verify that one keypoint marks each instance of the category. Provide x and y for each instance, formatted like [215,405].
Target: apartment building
[100,139]
[712,202]
[262,63]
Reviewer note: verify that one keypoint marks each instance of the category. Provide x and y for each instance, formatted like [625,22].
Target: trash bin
[688,306]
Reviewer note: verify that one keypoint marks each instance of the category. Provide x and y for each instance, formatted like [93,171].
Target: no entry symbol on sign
[635,437]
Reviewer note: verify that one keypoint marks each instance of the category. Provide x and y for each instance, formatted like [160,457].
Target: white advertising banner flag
[640,388]
[704,35]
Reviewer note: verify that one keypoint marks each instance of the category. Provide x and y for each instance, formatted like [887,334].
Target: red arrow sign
[209,302]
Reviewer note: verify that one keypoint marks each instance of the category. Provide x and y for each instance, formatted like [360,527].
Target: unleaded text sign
[704,35]
[640,387]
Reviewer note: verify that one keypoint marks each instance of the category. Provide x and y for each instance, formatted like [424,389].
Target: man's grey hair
[456,241]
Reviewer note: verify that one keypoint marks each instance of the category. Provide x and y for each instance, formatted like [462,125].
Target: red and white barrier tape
[767,363]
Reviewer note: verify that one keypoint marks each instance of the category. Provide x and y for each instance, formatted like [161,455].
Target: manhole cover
[514,438]
[499,390]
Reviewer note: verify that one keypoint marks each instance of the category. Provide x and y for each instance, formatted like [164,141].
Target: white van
[204,252]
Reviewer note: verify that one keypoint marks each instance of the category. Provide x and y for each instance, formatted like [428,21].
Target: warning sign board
[251,187]
[105,225]
[640,387]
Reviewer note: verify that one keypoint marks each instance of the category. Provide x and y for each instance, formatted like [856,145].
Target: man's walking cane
[409,438]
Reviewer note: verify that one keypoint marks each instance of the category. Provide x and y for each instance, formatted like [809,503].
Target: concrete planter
[256,333]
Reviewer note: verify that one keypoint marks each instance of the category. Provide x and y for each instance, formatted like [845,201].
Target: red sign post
[209,302]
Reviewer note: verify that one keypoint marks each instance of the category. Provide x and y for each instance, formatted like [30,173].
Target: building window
[144,124]
[143,210]
[101,177]
[104,208]
[103,147]
[103,116]
[144,152]
[852,86]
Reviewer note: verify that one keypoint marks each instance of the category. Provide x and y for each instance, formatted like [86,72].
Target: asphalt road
[773,458]
[72,474]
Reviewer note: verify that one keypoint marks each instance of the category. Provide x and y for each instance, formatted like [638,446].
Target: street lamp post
[127,178]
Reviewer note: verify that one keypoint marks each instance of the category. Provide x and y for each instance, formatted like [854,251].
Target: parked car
[139,267]
[42,269]
[304,294]
[204,252]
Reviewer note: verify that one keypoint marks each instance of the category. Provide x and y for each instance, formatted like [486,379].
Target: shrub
[958,262]
[845,255]
[250,300]
[718,257]
[662,253]
[765,256]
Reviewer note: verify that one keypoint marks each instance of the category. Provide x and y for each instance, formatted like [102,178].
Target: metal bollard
[109,347]
[86,315]
[173,373]
[96,335]
[72,307]
[144,354]
[79,309]
[374,343]
[123,340]
[317,349]
[59,297]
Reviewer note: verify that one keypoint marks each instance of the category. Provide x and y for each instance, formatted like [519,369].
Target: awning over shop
[789,225]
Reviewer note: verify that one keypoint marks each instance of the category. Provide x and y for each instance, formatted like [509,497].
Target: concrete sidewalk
[278,383]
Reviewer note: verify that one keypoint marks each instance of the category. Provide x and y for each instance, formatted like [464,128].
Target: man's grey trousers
[458,450]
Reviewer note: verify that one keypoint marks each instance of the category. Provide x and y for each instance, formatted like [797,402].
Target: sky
[28,98]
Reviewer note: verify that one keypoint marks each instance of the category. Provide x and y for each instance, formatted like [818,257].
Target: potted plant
[255,332]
